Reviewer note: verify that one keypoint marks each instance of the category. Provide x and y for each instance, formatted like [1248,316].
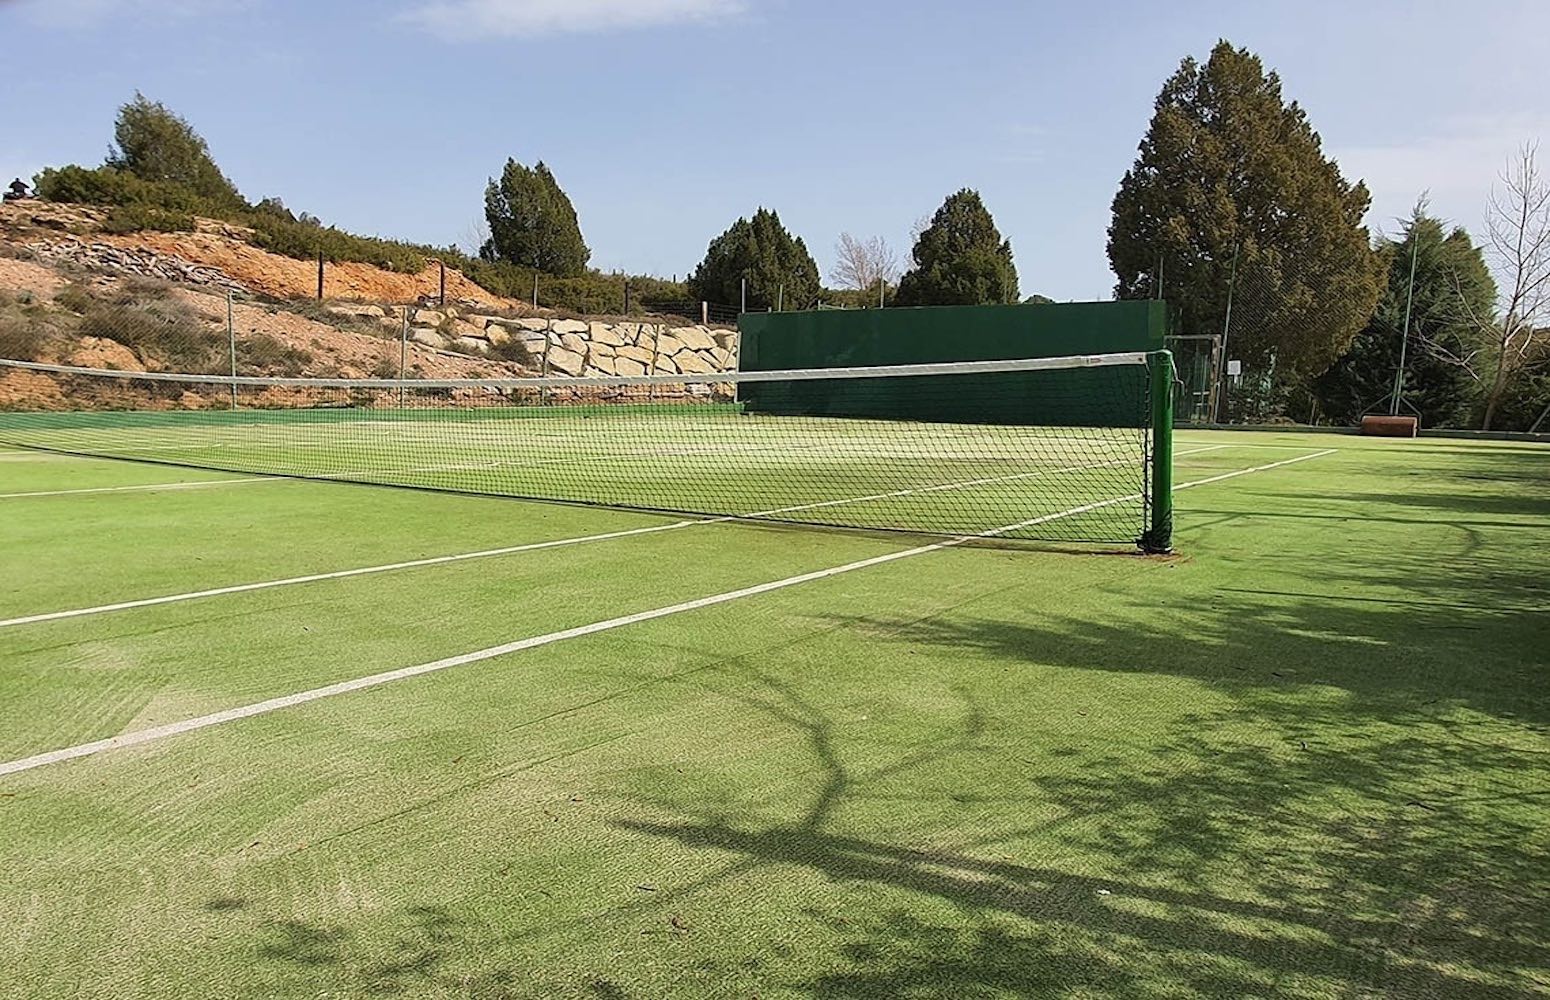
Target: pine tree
[1231,187]
[155,144]
[1452,289]
[777,266]
[960,259]
[532,222]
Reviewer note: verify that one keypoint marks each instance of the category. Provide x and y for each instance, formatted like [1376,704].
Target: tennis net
[1065,449]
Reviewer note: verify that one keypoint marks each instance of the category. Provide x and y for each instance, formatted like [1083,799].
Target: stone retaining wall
[573,346]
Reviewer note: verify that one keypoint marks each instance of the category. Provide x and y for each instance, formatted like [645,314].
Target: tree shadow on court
[1350,811]
[415,958]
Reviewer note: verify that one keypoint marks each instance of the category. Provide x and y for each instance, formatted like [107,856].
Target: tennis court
[296,737]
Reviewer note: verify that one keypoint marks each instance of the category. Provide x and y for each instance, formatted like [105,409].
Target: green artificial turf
[1305,757]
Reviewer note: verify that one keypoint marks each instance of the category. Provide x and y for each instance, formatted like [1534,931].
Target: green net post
[1158,537]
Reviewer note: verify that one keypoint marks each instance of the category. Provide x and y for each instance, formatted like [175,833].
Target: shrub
[513,350]
[23,338]
[269,355]
[75,297]
[107,186]
[160,332]
[305,241]
[138,217]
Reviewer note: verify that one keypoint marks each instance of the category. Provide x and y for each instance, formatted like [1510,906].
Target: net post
[1158,537]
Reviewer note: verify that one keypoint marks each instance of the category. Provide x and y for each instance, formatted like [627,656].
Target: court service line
[143,487]
[533,642]
[243,588]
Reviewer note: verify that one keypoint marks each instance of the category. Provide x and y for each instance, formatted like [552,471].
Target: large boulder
[573,342]
[429,317]
[598,349]
[641,354]
[601,365]
[696,338]
[628,366]
[497,334]
[669,345]
[469,330]
[611,334]
[565,362]
[666,365]
[430,338]
[532,323]
[470,344]
[355,310]
[568,326]
[693,362]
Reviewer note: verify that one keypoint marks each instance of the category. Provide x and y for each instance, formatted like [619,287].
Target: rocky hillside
[215,254]
[73,294]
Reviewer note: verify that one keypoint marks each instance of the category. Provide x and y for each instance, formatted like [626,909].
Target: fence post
[442,298]
[543,370]
[742,304]
[882,291]
[320,276]
[780,297]
[626,295]
[535,288]
[705,314]
[231,342]
[403,356]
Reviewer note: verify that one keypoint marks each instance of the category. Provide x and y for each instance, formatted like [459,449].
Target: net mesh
[1053,449]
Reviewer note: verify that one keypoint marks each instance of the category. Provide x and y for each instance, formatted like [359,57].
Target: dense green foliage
[1525,403]
[779,270]
[532,222]
[155,144]
[1231,186]
[960,259]
[590,293]
[134,218]
[1452,289]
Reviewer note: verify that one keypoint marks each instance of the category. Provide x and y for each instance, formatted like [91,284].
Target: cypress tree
[960,259]
[532,222]
[1453,289]
[153,143]
[1231,186]
[765,253]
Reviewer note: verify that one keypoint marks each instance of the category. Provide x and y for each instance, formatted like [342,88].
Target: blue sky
[667,119]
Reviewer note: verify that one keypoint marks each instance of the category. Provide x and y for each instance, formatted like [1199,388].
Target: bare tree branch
[1517,247]
[860,265]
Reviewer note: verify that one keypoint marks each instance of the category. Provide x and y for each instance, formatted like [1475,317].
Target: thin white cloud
[1456,164]
[467,20]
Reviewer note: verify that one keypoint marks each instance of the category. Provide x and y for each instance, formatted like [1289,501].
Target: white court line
[243,588]
[533,642]
[148,486]
[1255,444]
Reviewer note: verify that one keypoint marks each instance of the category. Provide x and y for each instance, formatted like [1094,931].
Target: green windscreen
[944,334]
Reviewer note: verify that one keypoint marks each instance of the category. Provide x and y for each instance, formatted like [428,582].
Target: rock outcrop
[145,263]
